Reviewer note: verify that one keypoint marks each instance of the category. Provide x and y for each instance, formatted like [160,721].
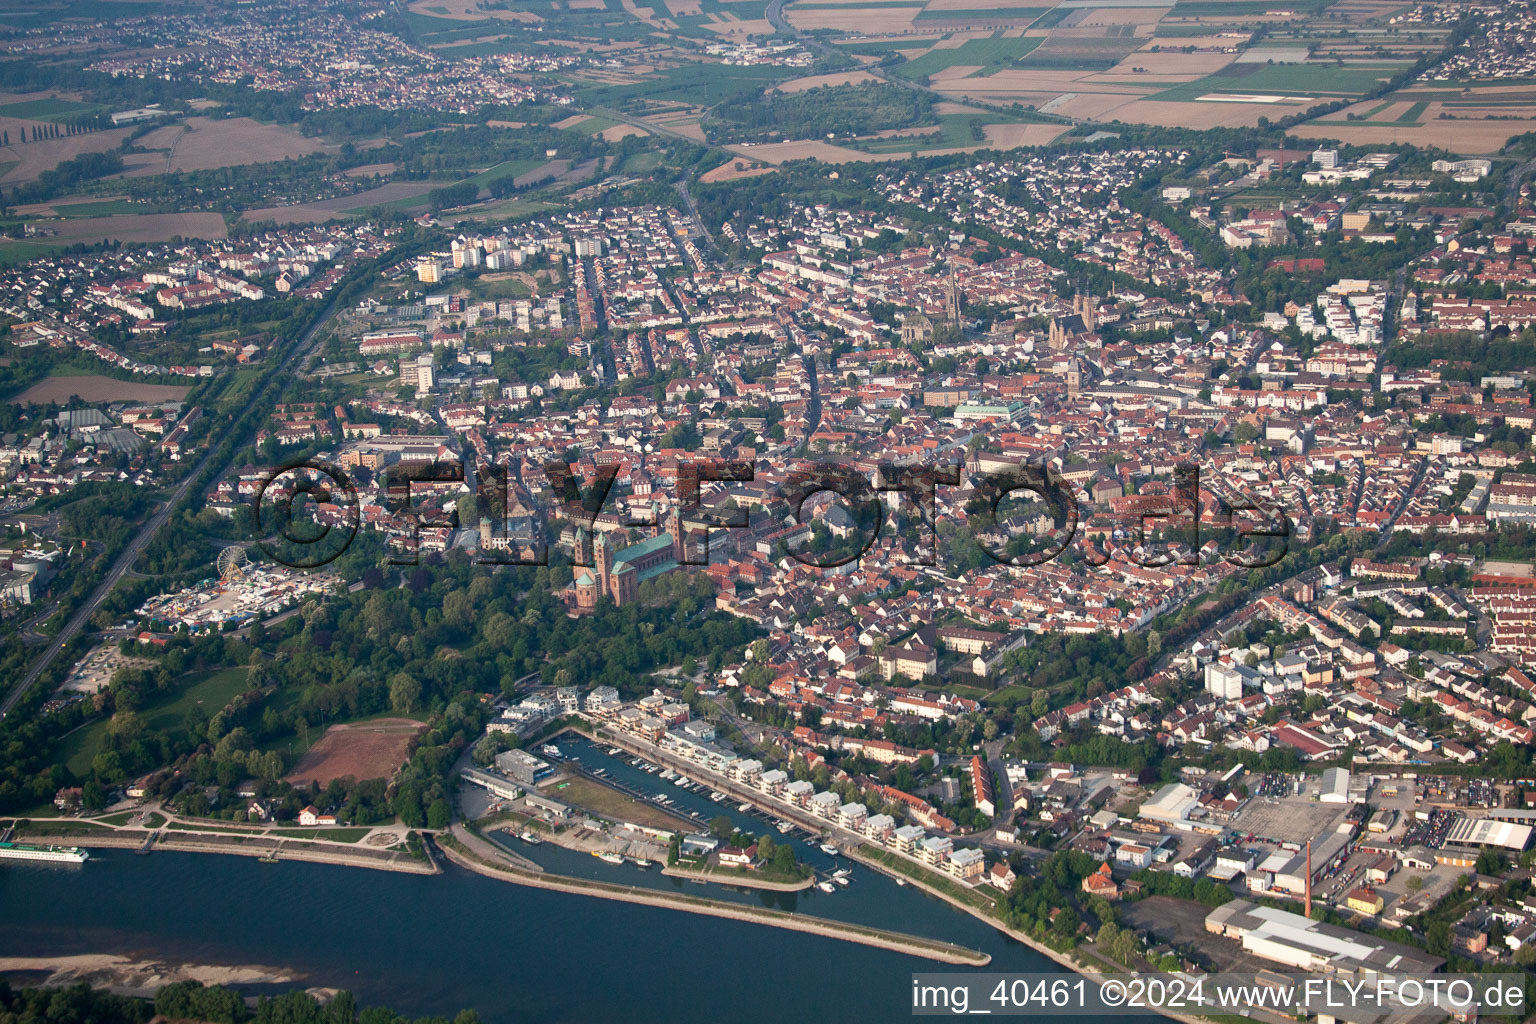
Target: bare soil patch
[732,170]
[366,750]
[96,388]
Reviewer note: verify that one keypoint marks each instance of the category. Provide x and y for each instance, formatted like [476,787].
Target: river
[436,944]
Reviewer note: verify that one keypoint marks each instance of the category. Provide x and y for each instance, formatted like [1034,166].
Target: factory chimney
[1309,879]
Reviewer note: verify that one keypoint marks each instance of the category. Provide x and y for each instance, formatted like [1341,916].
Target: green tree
[404,692]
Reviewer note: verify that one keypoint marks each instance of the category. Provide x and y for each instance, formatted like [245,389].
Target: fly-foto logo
[1163,531]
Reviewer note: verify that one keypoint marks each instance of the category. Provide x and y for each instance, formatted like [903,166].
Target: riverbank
[743,879]
[127,976]
[249,846]
[475,854]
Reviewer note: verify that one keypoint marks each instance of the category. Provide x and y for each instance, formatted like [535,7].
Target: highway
[146,533]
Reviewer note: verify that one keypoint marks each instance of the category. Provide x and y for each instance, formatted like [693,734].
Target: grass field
[1302,80]
[14,251]
[333,835]
[610,803]
[100,208]
[505,169]
[49,109]
[213,691]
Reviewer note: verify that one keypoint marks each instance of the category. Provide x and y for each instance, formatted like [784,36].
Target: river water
[436,944]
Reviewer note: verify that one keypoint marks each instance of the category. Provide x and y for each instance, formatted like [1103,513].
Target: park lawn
[181,826]
[216,689]
[1012,694]
[334,835]
[213,692]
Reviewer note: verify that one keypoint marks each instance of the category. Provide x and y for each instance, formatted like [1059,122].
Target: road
[141,540]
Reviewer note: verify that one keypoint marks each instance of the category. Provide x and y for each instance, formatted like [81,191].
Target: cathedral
[618,573]
[1082,321]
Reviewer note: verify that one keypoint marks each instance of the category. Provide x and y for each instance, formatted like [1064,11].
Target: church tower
[952,299]
[602,561]
[675,531]
[1074,379]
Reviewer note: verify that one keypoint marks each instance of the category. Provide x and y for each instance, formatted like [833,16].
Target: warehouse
[1309,945]
[1478,832]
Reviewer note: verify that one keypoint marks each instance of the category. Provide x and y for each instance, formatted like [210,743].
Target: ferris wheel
[233,563]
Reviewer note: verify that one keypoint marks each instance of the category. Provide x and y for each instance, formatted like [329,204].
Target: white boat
[551,750]
[609,857]
[614,751]
[643,864]
[717,796]
[901,882]
[669,774]
[783,826]
[841,880]
[57,854]
[744,808]
[530,838]
[826,887]
[830,850]
[680,781]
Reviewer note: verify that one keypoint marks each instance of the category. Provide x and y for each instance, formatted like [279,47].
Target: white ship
[58,854]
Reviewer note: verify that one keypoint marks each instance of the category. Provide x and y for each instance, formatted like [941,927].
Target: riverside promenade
[474,853]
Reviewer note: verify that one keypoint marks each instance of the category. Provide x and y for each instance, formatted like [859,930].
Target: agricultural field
[364,750]
[96,388]
[203,143]
[133,227]
[1475,121]
[1176,63]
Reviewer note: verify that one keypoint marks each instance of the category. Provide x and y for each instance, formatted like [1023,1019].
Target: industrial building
[1309,945]
[1173,803]
[1479,832]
